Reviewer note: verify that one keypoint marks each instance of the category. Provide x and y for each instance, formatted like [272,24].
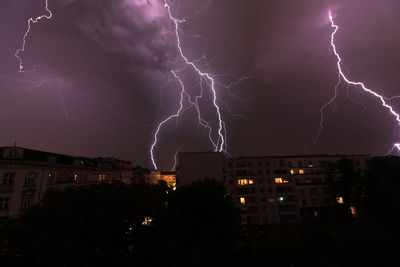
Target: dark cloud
[105,63]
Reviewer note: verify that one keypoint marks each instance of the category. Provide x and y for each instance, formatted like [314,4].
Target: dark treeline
[198,225]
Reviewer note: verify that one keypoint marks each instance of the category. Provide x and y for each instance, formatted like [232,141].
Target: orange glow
[170,179]
[340,200]
[353,211]
[281,181]
[291,171]
[102,177]
[245,181]
[301,171]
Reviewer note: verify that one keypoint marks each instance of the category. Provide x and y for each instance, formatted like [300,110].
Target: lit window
[271,200]
[340,200]
[353,211]
[292,171]
[102,177]
[242,200]
[301,171]
[281,181]
[281,199]
[245,181]
[242,182]
[75,177]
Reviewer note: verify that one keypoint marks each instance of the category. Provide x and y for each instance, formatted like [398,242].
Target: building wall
[271,190]
[26,175]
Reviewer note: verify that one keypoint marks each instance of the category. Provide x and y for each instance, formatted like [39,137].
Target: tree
[125,225]
[84,225]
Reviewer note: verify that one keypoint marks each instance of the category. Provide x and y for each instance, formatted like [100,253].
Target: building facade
[274,189]
[26,174]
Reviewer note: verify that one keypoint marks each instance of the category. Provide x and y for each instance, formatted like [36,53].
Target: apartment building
[26,174]
[273,189]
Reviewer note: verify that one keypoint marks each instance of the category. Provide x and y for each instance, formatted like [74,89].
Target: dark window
[304,202]
[50,178]
[313,191]
[26,203]
[302,192]
[30,178]
[241,173]
[259,172]
[4,201]
[8,178]
[315,201]
[280,189]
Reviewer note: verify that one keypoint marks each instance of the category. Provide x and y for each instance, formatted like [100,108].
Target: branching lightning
[343,77]
[31,21]
[218,143]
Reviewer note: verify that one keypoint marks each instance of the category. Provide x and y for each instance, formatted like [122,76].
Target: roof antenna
[15,144]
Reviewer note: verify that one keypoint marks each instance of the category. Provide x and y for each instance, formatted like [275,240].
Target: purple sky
[100,67]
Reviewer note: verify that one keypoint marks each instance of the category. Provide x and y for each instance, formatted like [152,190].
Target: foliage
[122,225]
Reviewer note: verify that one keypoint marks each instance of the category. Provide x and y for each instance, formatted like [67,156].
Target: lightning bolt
[343,77]
[220,143]
[31,21]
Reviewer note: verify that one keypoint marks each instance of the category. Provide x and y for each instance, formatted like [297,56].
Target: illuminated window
[292,171]
[242,200]
[102,177]
[271,200]
[301,171]
[281,181]
[245,181]
[340,200]
[281,199]
[353,211]
[75,177]
[242,182]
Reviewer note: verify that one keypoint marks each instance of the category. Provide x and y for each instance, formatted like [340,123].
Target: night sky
[98,79]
